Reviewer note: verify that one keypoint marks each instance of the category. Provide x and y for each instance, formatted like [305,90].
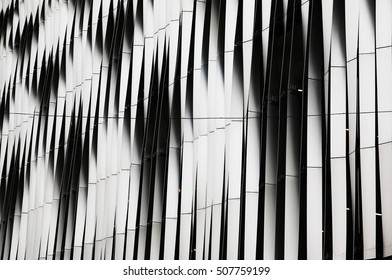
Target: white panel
[386,195]
[314,213]
[384,81]
[207,232]
[266,10]
[265,37]
[253,155]
[368,180]
[250,226]
[338,191]
[121,212]
[233,225]
[80,221]
[155,240]
[338,90]
[185,229]
[216,232]
[90,220]
[383,23]
[234,155]
[247,48]
[367,83]
[314,97]
[200,230]
[305,21]
[15,233]
[248,20]
[269,222]
[327,8]
[314,141]
[291,227]
[366,27]
[338,54]
[230,24]
[367,128]
[187,187]
[217,172]
[338,136]
[352,101]
[292,146]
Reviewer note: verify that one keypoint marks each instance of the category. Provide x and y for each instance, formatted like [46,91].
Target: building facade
[206,129]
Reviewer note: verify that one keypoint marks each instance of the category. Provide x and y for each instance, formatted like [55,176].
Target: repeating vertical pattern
[205,129]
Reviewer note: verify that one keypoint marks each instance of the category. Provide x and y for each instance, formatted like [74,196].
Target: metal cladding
[179,129]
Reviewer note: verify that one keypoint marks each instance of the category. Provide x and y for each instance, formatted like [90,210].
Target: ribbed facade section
[206,129]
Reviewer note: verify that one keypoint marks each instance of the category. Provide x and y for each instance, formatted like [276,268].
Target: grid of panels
[206,129]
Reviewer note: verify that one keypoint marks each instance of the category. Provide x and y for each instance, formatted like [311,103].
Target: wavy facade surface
[179,129]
